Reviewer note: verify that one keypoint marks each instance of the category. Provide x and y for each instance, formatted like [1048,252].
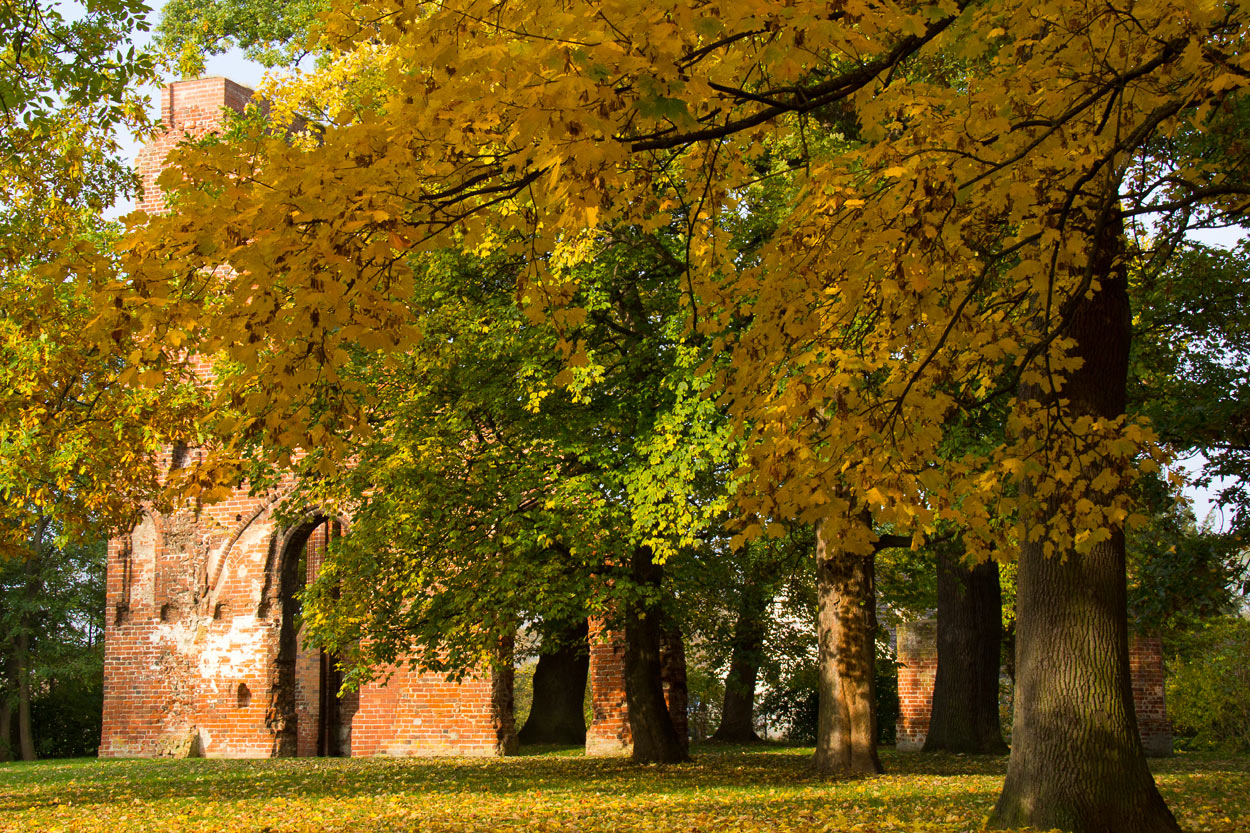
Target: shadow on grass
[770,780]
[550,750]
[560,771]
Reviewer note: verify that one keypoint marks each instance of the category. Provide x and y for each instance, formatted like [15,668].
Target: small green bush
[705,694]
[793,708]
[66,716]
[1208,687]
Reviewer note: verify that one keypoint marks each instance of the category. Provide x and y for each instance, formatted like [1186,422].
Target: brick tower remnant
[917,671]
[189,110]
[204,653]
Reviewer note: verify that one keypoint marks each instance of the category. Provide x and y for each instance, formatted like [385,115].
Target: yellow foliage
[927,264]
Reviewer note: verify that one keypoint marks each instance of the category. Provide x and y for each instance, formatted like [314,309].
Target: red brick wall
[917,656]
[186,628]
[189,109]
[917,670]
[608,733]
[1145,655]
[424,714]
[164,679]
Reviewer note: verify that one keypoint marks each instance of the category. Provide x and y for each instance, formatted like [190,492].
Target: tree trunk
[26,627]
[556,715]
[1077,761]
[25,737]
[964,717]
[737,723]
[846,726]
[654,738]
[7,680]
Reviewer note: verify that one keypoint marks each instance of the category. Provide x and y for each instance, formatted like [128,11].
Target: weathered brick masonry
[202,653]
[609,732]
[917,657]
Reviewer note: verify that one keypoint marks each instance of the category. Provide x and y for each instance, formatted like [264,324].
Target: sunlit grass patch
[722,789]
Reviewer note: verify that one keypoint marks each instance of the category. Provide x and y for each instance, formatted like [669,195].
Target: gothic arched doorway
[317,720]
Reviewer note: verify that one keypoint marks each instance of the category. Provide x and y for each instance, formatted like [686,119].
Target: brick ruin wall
[201,655]
[608,733]
[917,672]
[1145,657]
[189,110]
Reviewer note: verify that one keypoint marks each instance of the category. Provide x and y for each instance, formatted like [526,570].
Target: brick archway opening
[315,720]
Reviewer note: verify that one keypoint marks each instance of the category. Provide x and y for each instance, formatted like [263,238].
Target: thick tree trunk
[1076,757]
[556,715]
[846,729]
[8,696]
[737,723]
[6,728]
[964,717]
[25,736]
[34,586]
[654,737]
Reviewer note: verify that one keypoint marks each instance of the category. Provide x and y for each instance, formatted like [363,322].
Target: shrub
[793,706]
[1208,687]
[66,717]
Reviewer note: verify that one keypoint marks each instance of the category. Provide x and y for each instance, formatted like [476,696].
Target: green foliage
[511,466]
[1208,687]
[55,599]
[53,62]
[705,691]
[523,691]
[772,575]
[1180,574]
[76,438]
[791,705]
[906,583]
[67,81]
[270,33]
[792,701]
[66,714]
[1190,353]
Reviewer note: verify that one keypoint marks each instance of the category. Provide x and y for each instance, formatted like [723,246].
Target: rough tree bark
[1077,761]
[25,735]
[6,706]
[964,716]
[737,723]
[654,738]
[556,715]
[846,727]
[22,646]
[6,730]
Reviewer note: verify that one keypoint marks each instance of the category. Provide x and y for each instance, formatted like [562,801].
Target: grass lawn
[723,789]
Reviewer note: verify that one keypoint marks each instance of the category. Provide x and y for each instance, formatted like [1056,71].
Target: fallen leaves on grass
[722,790]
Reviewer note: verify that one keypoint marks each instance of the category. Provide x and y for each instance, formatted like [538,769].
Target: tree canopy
[950,243]
[970,186]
